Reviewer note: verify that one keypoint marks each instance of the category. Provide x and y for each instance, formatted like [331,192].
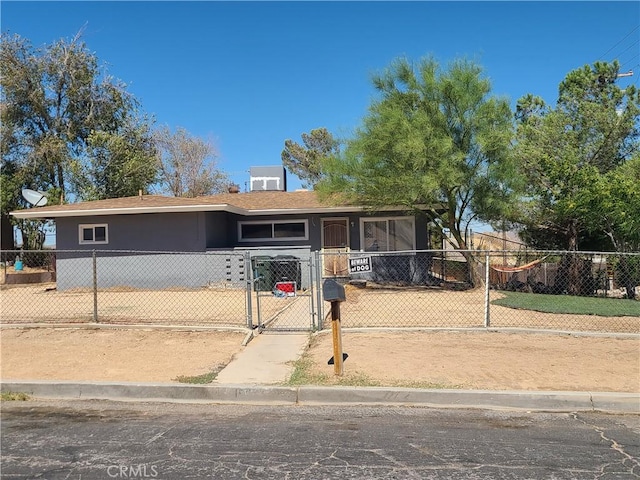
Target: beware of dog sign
[360,264]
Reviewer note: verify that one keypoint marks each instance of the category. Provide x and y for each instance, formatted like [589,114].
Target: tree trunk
[473,268]
[573,272]
[474,278]
[627,278]
[6,231]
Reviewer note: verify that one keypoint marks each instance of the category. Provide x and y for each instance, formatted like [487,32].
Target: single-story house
[268,222]
[228,221]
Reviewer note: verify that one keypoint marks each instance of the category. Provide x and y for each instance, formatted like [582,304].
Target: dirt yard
[485,360]
[113,355]
[438,359]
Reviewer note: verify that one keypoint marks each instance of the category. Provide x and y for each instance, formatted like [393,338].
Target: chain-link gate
[285,291]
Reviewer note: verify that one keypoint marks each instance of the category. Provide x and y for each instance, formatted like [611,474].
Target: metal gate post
[249,276]
[318,279]
[313,312]
[487,319]
[95,286]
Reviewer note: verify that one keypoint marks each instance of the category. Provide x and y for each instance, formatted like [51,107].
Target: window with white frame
[387,234]
[276,230]
[93,233]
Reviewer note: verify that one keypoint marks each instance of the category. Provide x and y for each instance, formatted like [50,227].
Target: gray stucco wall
[177,270]
[180,232]
[217,227]
[214,233]
[199,231]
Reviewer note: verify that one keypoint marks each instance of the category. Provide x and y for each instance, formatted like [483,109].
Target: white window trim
[93,226]
[272,238]
[381,219]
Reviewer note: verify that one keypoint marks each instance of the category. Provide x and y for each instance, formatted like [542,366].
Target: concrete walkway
[267,359]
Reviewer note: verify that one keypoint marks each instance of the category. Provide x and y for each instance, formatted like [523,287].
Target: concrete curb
[155,392]
[485,399]
[313,395]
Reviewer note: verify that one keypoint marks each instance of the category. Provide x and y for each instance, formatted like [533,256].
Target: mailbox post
[333,292]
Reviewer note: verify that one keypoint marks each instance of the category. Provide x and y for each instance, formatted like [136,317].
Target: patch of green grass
[198,379]
[13,396]
[356,379]
[303,374]
[425,385]
[566,304]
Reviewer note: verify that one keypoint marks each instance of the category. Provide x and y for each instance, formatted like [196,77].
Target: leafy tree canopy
[187,164]
[308,160]
[55,99]
[68,128]
[435,137]
[570,154]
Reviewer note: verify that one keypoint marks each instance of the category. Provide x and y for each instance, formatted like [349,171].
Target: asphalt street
[108,440]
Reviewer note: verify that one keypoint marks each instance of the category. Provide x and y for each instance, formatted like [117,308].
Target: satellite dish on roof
[35,198]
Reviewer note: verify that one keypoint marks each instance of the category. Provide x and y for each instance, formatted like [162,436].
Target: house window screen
[293,230]
[92,234]
[375,236]
[388,234]
[256,230]
[289,230]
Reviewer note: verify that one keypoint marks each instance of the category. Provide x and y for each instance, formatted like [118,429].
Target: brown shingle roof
[251,203]
[270,200]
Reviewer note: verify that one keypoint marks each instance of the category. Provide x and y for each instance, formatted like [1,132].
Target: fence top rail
[352,252]
[137,252]
[481,252]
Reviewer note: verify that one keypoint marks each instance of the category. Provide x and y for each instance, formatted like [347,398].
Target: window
[94,234]
[387,234]
[281,230]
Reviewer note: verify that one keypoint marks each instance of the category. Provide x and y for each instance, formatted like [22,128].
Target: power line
[623,64]
[625,37]
[628,48]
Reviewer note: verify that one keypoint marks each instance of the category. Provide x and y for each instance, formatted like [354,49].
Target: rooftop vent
[272,179]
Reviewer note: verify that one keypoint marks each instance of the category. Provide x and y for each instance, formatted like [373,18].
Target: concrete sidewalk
[256,374]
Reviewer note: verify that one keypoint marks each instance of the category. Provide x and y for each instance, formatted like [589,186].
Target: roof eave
[33,213]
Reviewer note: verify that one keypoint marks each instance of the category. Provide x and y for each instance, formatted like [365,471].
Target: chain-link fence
[455,289]
[572,291]
[124,287]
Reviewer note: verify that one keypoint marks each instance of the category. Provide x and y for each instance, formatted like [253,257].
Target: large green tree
[565,152]
[62,115]
[434,137]
[610,205]
[308,160]
[188,164]
[119,163]
[573,157]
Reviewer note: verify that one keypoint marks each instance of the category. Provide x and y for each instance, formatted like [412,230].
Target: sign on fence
[360,264]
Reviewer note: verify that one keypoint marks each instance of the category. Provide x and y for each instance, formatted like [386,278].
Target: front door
[335,245]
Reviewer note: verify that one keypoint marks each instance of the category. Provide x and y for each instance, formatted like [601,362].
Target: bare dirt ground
[484,360]
[379,307]
[113,355]
[437,359]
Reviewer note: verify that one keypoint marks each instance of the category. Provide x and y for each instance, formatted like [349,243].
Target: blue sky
[249,75]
